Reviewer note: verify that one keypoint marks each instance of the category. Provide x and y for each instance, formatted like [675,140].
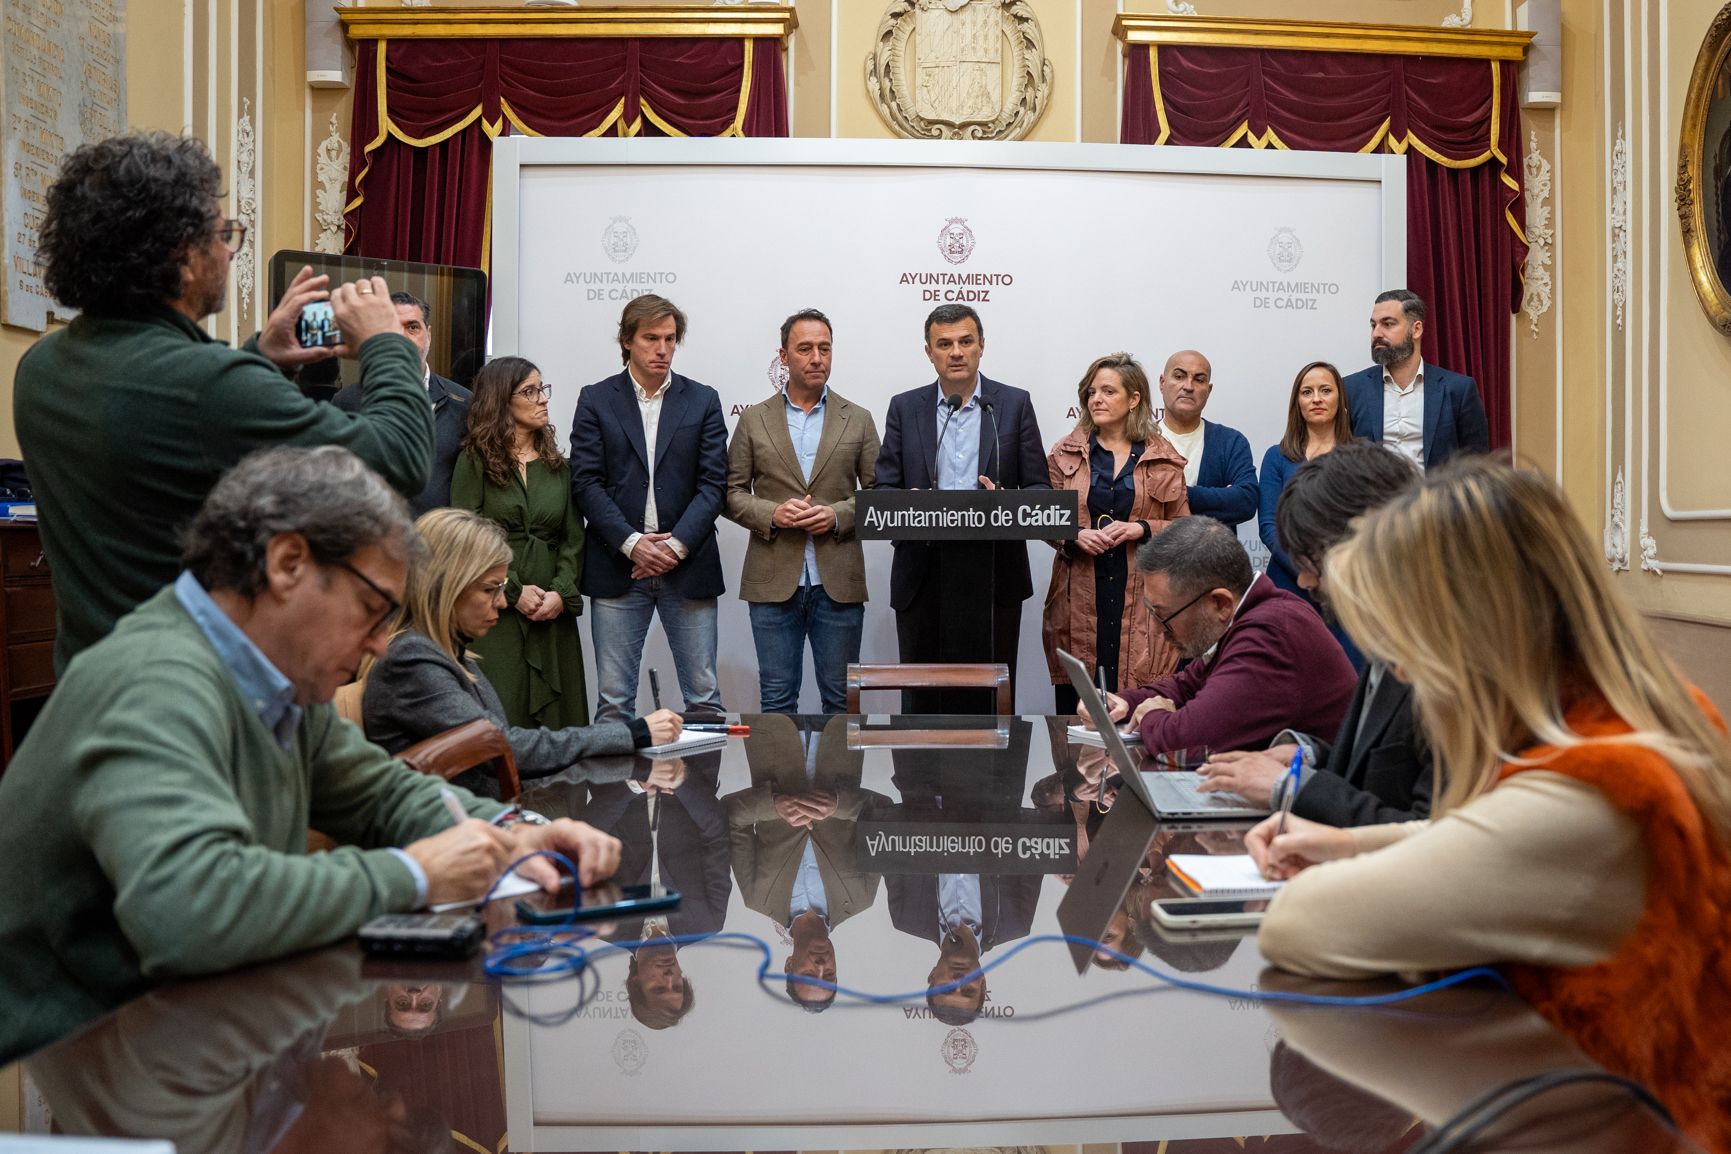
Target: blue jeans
[619,626]
[780,630]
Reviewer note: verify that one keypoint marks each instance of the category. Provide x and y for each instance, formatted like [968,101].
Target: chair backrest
[348,701]
[981,675]
[449,753]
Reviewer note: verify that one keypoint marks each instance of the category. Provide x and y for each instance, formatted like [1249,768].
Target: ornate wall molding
[1649,550]
[1617,527]
[333,172]
[246,205]
[1620,224]
[936,71]
[1536,294]
[1180,8]
[1463,19]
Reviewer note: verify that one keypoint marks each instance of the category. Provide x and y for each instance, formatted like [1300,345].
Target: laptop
[1174,794]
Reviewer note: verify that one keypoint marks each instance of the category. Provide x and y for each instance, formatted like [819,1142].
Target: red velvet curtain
[1456,121]
[427,111]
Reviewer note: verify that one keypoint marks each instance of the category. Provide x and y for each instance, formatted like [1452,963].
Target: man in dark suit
[1378,768]
[1218,470]
[450,404]
[649,471]
[991,440]
[1424,411]
[964,914]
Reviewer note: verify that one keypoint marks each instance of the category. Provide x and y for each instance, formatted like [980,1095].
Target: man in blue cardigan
[1423,411]
[1218,470]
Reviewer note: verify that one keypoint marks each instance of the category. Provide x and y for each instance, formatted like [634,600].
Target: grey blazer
[417,690]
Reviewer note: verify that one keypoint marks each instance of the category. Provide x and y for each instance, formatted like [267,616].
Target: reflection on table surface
[882,866]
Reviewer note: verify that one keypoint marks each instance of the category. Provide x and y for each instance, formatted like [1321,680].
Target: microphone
[992,412]
[952,403]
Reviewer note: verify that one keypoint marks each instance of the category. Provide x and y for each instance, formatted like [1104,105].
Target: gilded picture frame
[1704,173]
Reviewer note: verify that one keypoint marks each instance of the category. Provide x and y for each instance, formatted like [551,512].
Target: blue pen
[1291,789]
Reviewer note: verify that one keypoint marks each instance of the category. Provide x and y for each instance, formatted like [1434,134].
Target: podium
[955,535]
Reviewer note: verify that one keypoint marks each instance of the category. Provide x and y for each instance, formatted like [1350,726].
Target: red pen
[707,727]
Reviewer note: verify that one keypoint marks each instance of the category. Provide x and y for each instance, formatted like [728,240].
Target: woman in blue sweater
[1317,421]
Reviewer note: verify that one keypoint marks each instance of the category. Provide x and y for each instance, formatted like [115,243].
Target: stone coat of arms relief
[959,69]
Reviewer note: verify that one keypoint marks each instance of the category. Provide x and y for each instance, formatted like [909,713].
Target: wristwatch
[516,815]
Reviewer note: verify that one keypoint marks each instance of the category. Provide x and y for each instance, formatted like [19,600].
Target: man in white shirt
[649,471]
[1425,412]
[1218,470]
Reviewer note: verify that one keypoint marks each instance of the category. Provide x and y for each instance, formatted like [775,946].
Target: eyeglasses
[392,606]
[489,589]
[1165,622]
[538,392]
[232,234]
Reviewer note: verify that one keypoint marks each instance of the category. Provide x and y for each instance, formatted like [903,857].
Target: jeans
[619,626]
[780,630]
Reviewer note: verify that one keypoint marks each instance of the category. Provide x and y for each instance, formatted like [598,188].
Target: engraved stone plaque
[62,84]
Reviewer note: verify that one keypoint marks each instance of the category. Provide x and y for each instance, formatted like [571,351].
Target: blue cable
[572,951]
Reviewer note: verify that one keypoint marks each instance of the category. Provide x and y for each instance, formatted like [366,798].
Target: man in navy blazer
[449,399]
[991,439]
[1423,411]
[649,471]
[1218,470]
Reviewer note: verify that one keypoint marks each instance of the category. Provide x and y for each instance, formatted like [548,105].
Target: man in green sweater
[153,824]
[129,414]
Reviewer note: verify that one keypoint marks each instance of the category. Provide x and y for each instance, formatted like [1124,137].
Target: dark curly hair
[120,218]
[491,437]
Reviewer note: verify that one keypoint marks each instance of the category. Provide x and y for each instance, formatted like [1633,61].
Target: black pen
[655,688]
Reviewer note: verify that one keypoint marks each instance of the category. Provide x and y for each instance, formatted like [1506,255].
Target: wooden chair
[982,675]
[475,743]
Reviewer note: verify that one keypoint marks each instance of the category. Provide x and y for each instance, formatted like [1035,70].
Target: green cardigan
[151,827]
[127,422]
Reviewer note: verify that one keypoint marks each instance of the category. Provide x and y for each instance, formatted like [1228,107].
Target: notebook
[514,885]
[1221,875]
[686,743]
[1088,735]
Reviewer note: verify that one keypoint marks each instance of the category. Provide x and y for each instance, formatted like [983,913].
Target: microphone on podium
[992,412]
[952,403]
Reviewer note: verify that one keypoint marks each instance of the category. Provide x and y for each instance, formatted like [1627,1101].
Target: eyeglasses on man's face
[1165,622]
[392,606]
[538,392]
[232,233]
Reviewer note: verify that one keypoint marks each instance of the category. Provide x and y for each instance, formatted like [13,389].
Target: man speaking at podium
[959,600]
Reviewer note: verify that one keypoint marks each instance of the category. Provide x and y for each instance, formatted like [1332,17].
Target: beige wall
[1587,394]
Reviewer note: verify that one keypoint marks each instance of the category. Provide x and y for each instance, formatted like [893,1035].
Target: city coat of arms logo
[960,1050]
[778,374]
[629,1052]
[1284,250]
[959,69]
[619,239]
[956,240]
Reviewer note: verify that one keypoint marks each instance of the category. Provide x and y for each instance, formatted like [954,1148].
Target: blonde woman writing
[1581,837]
[427,681]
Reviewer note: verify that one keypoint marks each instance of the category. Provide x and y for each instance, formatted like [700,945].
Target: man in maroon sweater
[1261,660]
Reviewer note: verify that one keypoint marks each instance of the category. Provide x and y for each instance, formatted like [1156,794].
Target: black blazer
[1454,416]
[1017,460]
[1383,776]
[691,833]
[450,422]
[610,481]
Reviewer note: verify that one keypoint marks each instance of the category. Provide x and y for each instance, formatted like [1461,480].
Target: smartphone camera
[316,327]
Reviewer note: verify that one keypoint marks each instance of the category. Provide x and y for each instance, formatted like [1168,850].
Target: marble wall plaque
[62,84]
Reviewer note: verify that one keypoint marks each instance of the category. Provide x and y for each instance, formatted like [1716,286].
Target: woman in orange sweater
[1582,836]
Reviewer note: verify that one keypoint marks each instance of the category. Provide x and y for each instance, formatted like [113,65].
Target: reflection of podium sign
[961,527]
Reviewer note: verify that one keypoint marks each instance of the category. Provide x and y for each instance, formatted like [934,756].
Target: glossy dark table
[325,1053]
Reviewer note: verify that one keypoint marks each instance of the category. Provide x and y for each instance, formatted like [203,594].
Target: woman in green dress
[511,471]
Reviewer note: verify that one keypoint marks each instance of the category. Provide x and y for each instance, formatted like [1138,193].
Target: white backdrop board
[1262,260]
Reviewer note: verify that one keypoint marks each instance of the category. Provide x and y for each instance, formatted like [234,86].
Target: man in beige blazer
[794,836]
[793,468]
